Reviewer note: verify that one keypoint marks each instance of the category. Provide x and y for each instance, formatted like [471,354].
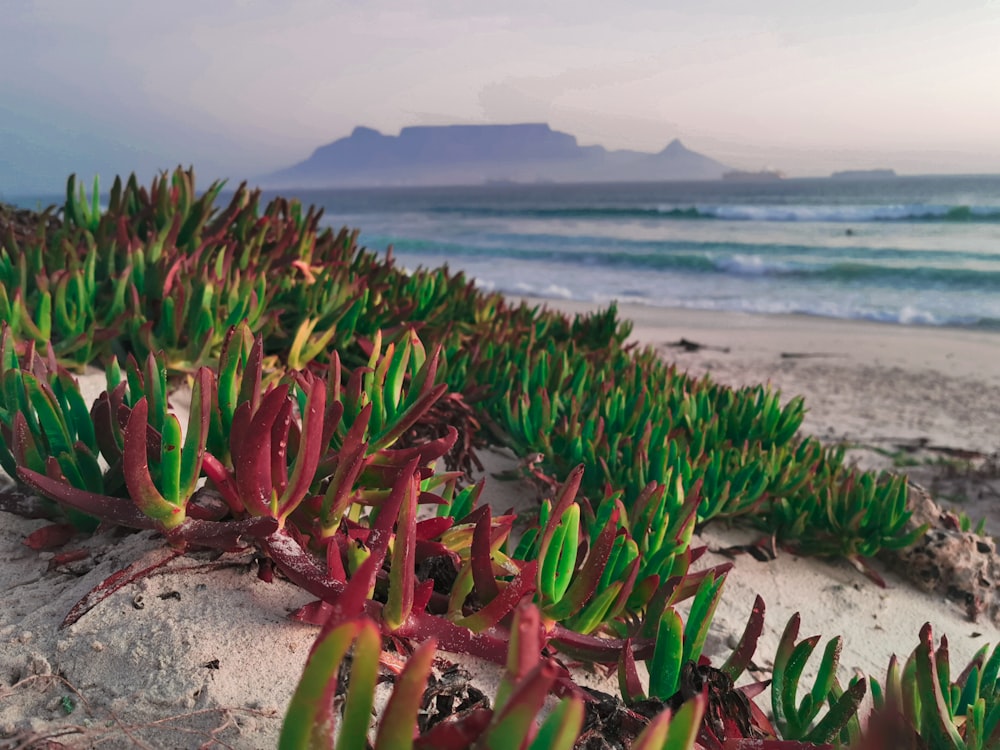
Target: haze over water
[913,250]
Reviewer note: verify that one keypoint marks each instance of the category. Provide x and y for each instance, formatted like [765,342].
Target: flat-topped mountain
[471,154]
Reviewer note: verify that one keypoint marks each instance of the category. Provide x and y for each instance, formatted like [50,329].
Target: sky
[239,88]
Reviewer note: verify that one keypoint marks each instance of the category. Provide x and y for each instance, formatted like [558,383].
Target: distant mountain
[471,154]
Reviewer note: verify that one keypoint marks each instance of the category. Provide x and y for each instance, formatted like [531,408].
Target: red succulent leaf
[597,648]
[334,404]
[757,744]
[628,676]
[207,505]
[106,430]
[457,733]
[429,498]
[314,613]
[744,651]
[241,423]
[422,593]
[279,447]
[252,460]
[481,561]
[223,481]
[454,638]
[501,528]
[351,460]
[228,536]
[303,569]
[250,386]
[54,471]
[334,560]
[526,643]
[504,603]
[116,510]
[432,528]
[154,441]
[862,564]
[310,447]
[67,557]
[425,453]
[473,516]
[425,549]
[50,537]
[686,586]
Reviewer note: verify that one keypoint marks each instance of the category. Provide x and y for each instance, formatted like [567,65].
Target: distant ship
[764,175]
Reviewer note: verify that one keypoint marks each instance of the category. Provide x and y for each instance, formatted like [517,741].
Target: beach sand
[219,662]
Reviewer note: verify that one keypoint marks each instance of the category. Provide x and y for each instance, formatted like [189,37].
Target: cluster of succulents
[328,387]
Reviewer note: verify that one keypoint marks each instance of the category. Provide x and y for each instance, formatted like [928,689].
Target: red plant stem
[218,476]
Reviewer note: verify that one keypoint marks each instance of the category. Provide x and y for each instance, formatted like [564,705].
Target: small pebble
[39,665]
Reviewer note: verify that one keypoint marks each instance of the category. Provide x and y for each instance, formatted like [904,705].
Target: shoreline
[813,335]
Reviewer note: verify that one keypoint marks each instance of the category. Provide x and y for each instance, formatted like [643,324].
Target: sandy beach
[195,663]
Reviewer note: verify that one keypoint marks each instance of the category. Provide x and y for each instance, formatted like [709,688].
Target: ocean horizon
[903,250]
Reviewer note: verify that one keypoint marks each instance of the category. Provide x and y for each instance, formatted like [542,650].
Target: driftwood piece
[806,355]
[694,346]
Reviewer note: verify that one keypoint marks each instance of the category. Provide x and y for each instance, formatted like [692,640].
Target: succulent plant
[512,722]
[326,384]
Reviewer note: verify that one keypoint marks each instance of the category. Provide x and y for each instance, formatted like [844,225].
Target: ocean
[906,250]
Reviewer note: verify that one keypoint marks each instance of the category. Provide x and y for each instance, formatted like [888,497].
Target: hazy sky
[241,87]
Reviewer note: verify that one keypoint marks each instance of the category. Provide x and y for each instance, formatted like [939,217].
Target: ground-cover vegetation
[328,386]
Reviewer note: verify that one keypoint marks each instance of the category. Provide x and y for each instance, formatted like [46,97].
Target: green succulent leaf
[561,728]
[140,484]
[668,656]
[308,722]
[395,730]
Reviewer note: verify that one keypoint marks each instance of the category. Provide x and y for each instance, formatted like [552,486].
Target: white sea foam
[830,213]
[751,265]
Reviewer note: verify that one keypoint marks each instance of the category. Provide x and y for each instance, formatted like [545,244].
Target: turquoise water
[921,250]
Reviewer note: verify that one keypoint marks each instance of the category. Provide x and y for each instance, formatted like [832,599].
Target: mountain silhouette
[472,154]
